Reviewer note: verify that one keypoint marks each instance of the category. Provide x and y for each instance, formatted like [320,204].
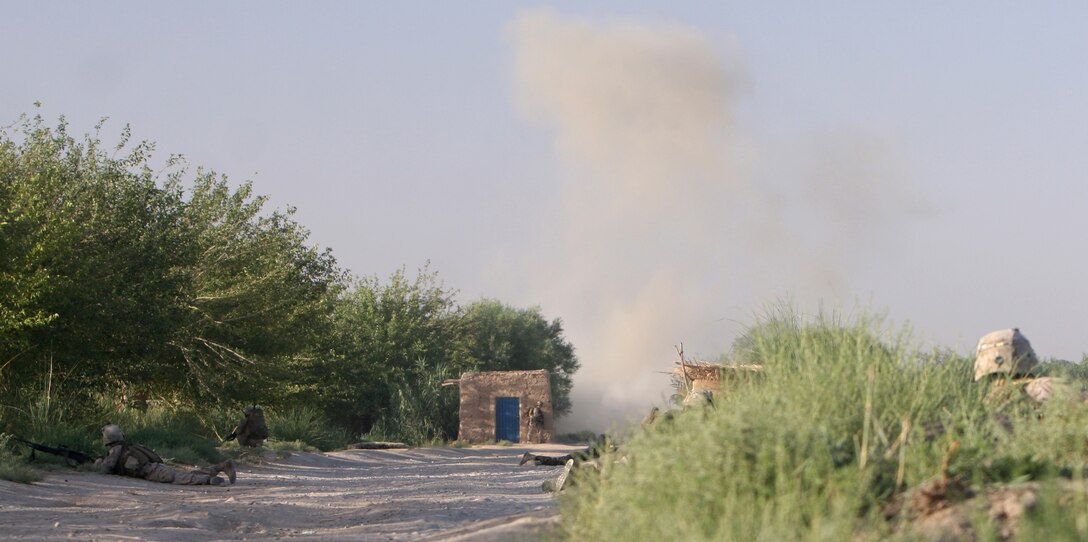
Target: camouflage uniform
[252,430]
[535,420]
[1006,357]
[596,449]
[698,398]
[1004,352]
[650,418]
[584,460]
[138,461]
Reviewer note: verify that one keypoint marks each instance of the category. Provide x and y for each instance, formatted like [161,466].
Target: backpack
[135,457]
[253,429]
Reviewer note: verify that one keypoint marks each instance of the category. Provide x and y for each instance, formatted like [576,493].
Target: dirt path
[417,494]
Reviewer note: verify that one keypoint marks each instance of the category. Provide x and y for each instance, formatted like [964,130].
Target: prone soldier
[597,447]
[139,461]
[1006,359]
[580,459]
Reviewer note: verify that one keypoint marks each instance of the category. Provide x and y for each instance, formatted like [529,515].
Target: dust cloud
[673,224]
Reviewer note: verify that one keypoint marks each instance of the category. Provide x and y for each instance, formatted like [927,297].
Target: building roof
[709,370]
[493,374]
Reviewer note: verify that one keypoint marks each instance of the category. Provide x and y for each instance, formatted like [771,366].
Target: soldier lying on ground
[597,447]
[1006,359]
[1007,364]
[574,460]
[138,461]
[252,430]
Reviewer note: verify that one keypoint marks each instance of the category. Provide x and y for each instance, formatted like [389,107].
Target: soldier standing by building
[534,419]
[138,461]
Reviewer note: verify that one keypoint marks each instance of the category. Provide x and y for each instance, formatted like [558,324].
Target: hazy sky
[650,173]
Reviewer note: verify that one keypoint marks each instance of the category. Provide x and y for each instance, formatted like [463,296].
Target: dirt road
[453,494]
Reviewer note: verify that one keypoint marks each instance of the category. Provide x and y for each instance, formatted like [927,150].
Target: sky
[653,174]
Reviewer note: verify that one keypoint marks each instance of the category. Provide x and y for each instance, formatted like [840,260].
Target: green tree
[95,286]
[493,336]
[112,278]
[383,335]
[118,275]
[22,280]
[258,299]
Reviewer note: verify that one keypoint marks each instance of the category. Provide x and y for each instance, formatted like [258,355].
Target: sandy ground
[452,494]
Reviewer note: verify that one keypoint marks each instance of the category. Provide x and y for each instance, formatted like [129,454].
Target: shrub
[11,467]
[422,410]
[303,426]
[847,416]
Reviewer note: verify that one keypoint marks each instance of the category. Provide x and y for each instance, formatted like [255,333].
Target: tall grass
[179,433]
[12,468]
[846,416]
[423,412]
[304,426]
[39,415]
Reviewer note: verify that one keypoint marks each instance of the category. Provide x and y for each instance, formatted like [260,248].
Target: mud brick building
[493,404]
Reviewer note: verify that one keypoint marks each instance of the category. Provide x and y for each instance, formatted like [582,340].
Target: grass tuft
[303,425]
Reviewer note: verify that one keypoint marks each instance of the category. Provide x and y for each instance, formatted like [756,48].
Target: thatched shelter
[706,377]
[493,404]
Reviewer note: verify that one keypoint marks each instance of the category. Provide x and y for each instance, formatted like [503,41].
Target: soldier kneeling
[252,430]
[139,461]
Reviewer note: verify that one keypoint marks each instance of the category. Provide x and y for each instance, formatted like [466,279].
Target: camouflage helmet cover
[1005,351]
[112,434]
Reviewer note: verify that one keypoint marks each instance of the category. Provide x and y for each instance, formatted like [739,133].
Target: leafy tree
[258,296]
[116,275]
[99,277]
[113,278]
[382,334]
[22,281]
[493,336]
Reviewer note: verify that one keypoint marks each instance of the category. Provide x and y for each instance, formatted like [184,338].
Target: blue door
[507,419]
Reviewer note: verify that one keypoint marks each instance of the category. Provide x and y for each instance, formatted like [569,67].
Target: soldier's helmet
[1006,351]
[540,403]
[112,434]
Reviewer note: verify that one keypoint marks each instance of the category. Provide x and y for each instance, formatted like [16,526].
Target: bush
[11,467]
[303,426]
[847,416]
[422,413]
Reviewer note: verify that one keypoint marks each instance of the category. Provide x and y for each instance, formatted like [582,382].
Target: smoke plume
[673,223]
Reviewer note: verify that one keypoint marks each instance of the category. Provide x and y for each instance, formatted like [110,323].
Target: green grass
[12,467]
[15,471]
[305,426]
[1060,516]
[813,449]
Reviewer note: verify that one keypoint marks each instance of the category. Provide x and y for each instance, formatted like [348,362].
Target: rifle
[70,456]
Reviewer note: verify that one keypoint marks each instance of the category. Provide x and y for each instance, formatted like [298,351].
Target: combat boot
[226,467]
[526,458]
